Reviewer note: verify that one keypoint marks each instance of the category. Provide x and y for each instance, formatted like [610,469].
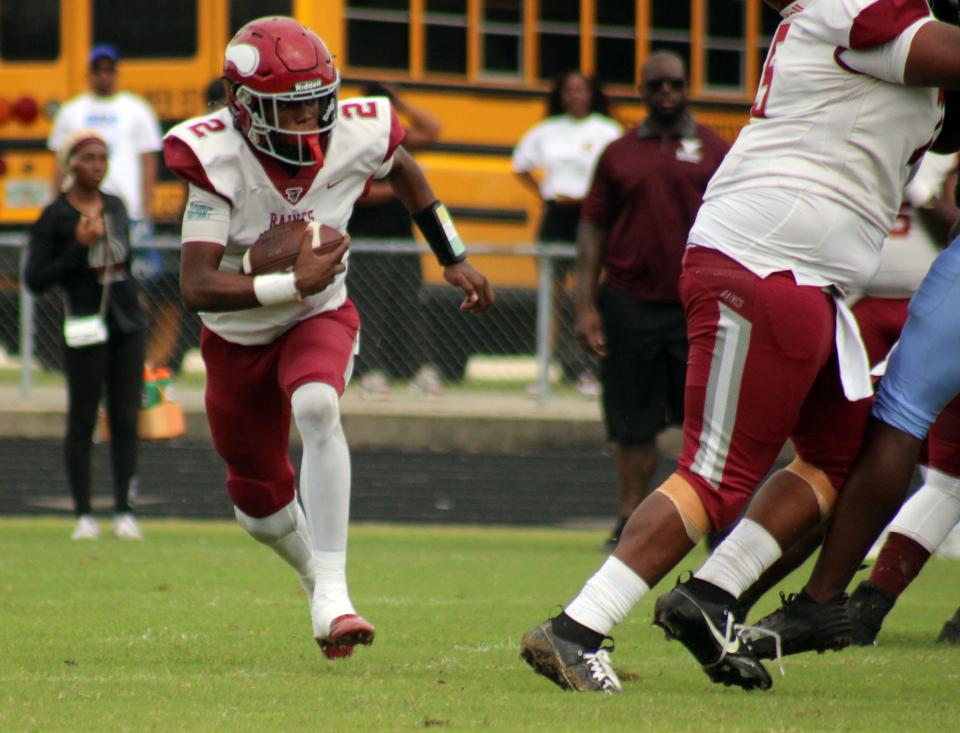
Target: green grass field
[202,629]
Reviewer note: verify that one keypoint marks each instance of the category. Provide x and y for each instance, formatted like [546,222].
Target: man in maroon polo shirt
[646,192]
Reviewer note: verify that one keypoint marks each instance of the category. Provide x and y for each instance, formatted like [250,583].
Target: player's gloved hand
[589,329]
[479,294]
[314,272]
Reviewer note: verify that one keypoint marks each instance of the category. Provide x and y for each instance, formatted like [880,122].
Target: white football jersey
[814,180]
[261,193]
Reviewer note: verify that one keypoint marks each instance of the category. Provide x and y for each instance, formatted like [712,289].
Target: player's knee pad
[316,409]
[819,483]
[942,482]
[272,528]
[688,504]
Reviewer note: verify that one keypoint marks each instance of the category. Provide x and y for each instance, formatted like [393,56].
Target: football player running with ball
[285,149]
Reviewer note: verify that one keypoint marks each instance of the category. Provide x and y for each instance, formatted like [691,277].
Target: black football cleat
[568,664]
[950,633]
[800,625]
[709,631]
[868,607]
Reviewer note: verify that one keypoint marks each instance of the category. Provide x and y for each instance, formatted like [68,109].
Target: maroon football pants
[248,401]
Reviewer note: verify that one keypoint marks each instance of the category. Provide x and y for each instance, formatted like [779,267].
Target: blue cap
[104,51]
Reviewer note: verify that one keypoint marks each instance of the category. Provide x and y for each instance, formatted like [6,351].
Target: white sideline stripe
[720,404]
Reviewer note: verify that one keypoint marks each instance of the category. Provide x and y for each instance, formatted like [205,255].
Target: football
[276,250]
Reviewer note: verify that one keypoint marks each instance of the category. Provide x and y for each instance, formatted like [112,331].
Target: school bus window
[243,11]
[616,42]
[379,4]
[724,59]
[670,27]
[559,31]
[30,31]
[502,31]
[378,34]
[161,29]
[445,29]
[450,7]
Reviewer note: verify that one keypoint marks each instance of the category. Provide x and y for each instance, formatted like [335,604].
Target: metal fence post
[26,335]
[544,319]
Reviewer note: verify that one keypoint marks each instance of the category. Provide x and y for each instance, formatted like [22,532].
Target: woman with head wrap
[81,245]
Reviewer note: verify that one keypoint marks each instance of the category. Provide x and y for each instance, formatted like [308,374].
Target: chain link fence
[408,324]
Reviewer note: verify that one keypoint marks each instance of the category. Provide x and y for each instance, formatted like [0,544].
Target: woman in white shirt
[564,148]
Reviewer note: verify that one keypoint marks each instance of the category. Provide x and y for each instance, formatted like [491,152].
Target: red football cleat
[345,633]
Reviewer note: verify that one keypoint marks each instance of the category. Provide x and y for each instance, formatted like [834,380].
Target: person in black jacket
[81,243]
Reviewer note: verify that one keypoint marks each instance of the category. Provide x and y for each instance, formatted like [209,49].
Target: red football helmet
[272,62]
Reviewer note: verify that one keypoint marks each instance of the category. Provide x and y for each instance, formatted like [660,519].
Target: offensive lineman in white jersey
[797,212]
[285,150]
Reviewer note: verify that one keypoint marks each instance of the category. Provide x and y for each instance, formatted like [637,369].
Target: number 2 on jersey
[200,129]
[759,108]
[359,109]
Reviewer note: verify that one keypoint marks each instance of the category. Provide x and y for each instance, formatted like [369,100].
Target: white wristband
[276,288]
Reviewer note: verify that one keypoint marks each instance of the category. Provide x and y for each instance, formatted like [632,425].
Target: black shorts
[559,226]
[644,371]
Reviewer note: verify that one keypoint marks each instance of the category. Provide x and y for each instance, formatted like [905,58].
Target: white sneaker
[374,386]
[588,386]
[86,529]
[427,382]
[125,527]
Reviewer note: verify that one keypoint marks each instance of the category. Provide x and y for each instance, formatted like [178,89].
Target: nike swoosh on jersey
[331,184]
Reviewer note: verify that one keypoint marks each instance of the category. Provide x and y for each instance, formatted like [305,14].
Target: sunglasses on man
[672,84]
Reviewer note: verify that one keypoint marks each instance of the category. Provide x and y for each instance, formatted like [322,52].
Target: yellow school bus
[482,67]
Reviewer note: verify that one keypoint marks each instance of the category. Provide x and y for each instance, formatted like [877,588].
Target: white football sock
[930,514]
[286,532]
[741,558]
[607,597]
[330,599]
[325,470]
[325,489]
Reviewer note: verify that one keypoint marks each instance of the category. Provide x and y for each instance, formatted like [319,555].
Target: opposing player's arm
[431,217]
